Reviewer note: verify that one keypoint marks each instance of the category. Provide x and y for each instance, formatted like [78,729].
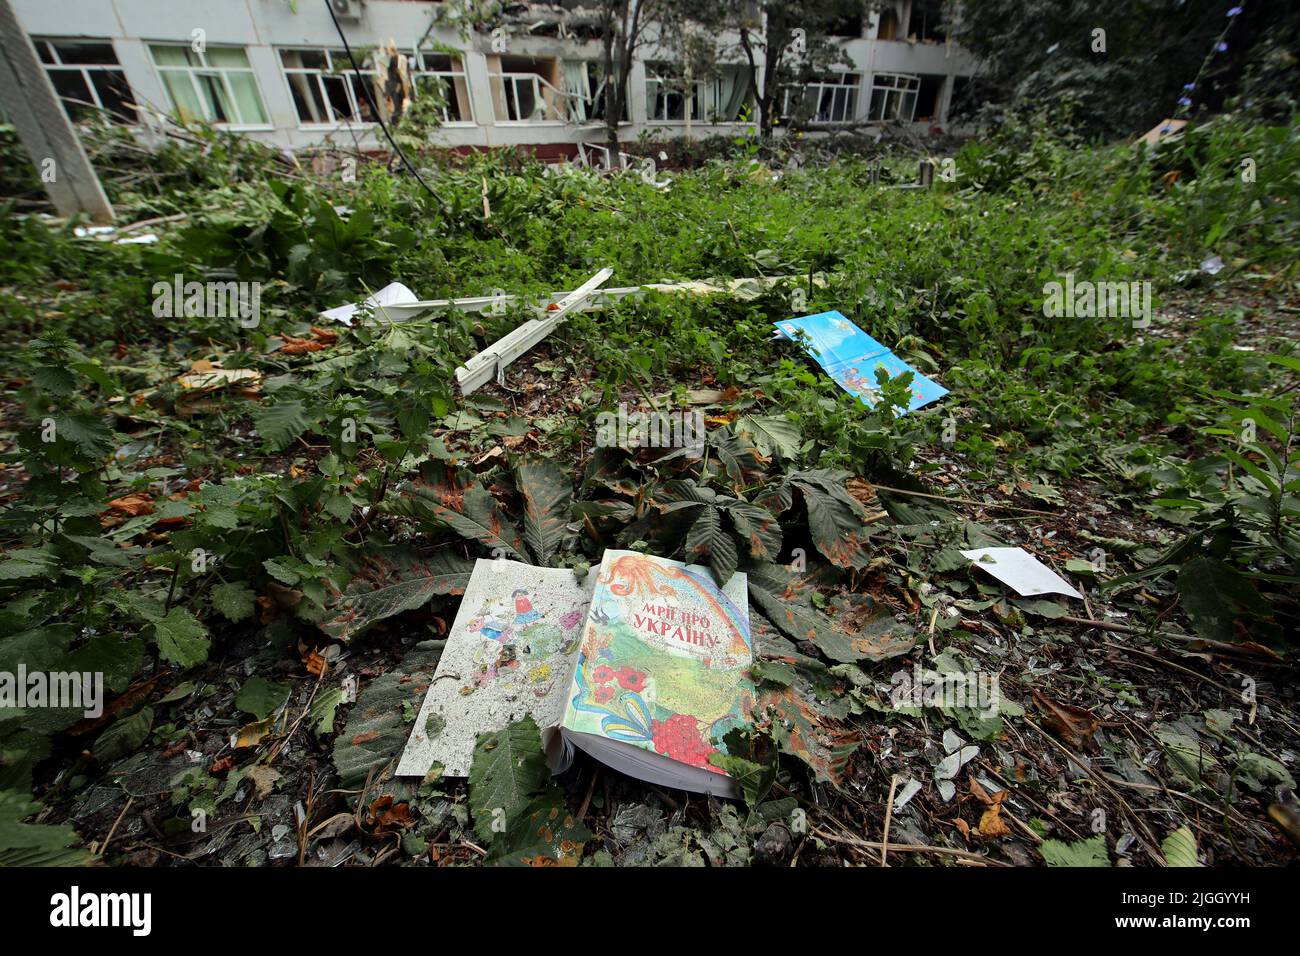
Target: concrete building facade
[276,70]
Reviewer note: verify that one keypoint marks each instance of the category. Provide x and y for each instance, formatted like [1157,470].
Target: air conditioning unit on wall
[346,9]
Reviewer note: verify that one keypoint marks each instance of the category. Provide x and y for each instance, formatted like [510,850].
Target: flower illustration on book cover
[662,661]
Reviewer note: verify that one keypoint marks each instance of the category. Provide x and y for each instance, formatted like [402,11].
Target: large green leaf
[280,423]
[786,599]
[26,844]
[770,433]
[547,492]
[377,726]
[835,518]
[1222,604]
[181,639]
[392,582]
[1090,852]
[445,497]
[1179,848]
[261,697]
[708,541]
[508,774]
[124,736]
[756,526]
[41,648]
[546,834]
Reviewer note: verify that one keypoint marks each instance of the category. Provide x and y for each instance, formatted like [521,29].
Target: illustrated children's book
[509,653]
[645,666]
[851,357]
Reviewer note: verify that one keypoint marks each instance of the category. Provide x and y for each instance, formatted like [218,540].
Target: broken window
[444,76]
[926,23]
[717,98]
[893,96]
[668,96]
[88,79]
[830,99]
[325,89]
[217,85]
[888,28]
[929,96]
[846,26]
[727,94]
[526,89]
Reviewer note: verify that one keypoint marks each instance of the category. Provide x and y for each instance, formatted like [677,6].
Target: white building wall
[262,26]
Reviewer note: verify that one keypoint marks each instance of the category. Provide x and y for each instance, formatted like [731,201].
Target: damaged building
[533,77]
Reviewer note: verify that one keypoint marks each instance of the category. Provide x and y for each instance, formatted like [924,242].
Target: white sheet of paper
[392,294]
[1021,571]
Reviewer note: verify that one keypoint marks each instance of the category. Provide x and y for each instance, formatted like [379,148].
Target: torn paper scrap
[1021,571]
[392,294]
[851,357]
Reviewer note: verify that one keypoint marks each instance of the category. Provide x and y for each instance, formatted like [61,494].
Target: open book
[644,665]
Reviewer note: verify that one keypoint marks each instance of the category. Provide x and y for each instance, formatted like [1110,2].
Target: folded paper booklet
[851,357]
[644,665]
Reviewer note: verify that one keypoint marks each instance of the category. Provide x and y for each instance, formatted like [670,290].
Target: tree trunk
[613,106]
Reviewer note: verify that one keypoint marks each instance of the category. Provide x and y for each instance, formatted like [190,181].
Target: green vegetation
[147,533]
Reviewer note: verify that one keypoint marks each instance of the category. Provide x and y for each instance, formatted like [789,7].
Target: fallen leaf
[991,825]
[315,664]
[384,814]
[132,505]
[293,346]
[1073,725]
[263,778]
[250,735]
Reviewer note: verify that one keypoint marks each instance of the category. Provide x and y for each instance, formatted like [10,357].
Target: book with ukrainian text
[650,684]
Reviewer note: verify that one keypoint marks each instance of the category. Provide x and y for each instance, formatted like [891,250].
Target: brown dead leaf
[127,701]
[293,346]
[263,778]
[205,375]
[991,825]
[1073,725]
[119,510]
[222,764]
[205,379]
[316,665]
[384,814]
[862,490]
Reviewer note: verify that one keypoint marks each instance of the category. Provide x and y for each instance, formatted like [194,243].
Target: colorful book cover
[510,652]
[851,357]
[664,660]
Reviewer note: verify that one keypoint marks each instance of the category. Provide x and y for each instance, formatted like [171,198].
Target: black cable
[374,108]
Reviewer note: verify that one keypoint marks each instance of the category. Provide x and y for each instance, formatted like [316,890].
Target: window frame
[654,78]
[847,82]
[347,75]
[85,69]
[205,68]
[911,92]
[510,79]
[418,69]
